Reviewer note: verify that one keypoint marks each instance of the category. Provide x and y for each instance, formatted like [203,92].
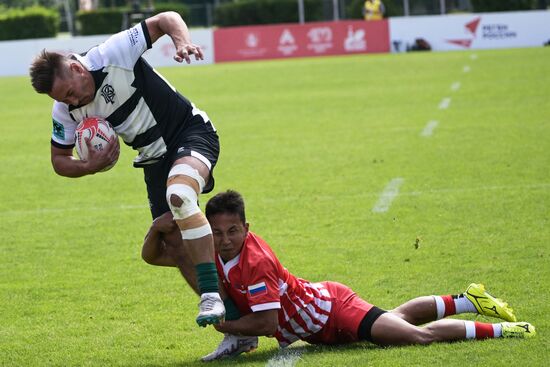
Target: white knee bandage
[185,183]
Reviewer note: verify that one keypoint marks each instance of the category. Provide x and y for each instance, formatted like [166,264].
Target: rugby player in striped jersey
[176,142]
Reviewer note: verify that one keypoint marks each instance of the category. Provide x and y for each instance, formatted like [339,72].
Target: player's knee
[183,187]
[175,201]
[423,336]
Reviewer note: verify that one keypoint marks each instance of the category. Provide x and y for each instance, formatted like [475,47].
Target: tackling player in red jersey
[273,302]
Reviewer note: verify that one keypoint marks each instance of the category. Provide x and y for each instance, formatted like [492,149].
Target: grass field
[311,144]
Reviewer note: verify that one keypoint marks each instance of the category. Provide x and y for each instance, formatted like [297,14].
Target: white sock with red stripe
[482,330]
[452,305]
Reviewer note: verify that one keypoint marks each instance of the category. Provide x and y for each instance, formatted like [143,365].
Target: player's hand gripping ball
[99,131]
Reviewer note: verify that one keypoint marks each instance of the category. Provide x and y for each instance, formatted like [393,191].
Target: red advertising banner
[300,40]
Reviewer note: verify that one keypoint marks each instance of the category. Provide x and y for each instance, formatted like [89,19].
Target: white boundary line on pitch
[466,69]
[455,86]
[285,358]
[473,56]
[388,195]
[534,186]
[430,127]
[445,103]
[39,211]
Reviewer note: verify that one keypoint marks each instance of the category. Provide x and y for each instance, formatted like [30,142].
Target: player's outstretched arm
[261,323]
[170,23]
[154,250]
[65,164]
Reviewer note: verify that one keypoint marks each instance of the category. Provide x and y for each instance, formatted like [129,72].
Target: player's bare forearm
[64,164]
[172,24]
[262,323]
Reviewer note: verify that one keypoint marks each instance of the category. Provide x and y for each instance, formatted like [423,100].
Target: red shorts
[348,310]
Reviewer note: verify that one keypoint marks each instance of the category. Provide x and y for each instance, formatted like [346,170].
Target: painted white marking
[430,126]
[39,211]
[473,56]
[445,103]
[466,69]
[388,195]
[455,86]
[287,357]
[290,198]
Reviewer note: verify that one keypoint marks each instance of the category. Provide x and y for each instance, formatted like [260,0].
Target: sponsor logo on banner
[320,39]
[497,31]
[252,42]
[287,43]
[355,40]
[488,31]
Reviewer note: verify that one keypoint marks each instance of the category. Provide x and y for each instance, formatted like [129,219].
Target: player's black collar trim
[99,76]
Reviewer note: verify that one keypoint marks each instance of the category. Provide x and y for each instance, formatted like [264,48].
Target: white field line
[445,103]
[285,358]
[39,211]
[430,127]
[290,198]
[473,56]
[455,86]
[388,195]
[466,69]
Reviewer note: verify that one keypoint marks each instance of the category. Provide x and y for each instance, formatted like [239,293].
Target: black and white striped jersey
[144,109]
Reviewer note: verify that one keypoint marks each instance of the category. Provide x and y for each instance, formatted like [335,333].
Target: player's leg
[178,252]
[186,181]
[474,300]
[389,329]
[156,191]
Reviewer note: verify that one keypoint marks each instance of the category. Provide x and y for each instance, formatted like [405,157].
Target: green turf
[311,143]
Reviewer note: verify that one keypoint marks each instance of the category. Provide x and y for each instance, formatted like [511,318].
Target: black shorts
[199,140]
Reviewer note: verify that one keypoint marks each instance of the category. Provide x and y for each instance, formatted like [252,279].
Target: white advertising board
[472,31]
[17,55]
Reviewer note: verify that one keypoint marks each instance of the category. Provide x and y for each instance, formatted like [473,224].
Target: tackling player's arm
[65,164]
[170,23]
[261,323]
[154,250]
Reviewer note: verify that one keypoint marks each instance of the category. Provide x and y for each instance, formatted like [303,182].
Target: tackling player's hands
[99,159]
[165,223]
[185,51]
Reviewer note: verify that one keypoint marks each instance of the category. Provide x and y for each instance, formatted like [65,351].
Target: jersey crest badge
[108,93]
[257,289]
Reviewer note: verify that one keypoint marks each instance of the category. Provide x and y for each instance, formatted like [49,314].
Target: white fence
[17,55]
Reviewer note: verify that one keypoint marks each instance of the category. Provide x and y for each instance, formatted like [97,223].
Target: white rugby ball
[99,131]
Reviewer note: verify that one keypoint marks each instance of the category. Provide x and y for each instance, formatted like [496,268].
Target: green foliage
[33,22]
[109,20]
[100,21]
[29,3]
[503,5]
[247,12]
[311,143]
[181,9]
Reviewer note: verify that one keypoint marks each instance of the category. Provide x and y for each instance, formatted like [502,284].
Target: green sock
[231,310]
[207,275]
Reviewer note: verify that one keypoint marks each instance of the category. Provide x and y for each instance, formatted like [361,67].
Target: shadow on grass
[263,356]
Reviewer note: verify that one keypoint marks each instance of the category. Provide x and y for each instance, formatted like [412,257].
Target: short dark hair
[45,67]
[228,202]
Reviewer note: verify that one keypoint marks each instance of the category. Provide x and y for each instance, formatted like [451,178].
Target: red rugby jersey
[256,281]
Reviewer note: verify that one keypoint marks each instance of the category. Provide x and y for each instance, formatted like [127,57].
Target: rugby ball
[99,131]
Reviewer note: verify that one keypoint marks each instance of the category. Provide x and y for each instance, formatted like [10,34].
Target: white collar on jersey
[229,265]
